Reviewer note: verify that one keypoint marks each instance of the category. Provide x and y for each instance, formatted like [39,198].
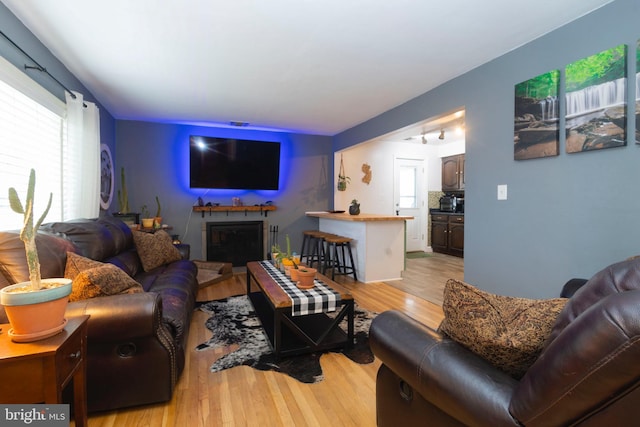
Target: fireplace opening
[235,242]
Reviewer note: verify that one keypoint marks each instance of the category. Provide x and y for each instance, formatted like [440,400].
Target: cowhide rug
[233,321]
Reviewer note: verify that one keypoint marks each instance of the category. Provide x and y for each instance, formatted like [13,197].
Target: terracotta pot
[157,222]
[36,315]
[306,277]
[293,273]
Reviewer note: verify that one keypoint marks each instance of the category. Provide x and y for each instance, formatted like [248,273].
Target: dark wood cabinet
[453,173]
[447,233]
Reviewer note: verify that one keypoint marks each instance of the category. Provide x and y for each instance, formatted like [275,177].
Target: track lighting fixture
[424,138]
[441,134]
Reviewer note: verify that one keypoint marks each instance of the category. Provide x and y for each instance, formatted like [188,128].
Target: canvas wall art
[536,129]
[638,92]
[596,101]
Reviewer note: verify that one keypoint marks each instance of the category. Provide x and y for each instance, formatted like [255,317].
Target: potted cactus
[157,220]
[35,308]
[289,260]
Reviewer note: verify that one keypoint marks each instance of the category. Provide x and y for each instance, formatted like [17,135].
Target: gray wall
[156,161]
[20,35]
[566,216]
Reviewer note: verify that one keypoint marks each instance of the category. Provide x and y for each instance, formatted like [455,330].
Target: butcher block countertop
[363,217]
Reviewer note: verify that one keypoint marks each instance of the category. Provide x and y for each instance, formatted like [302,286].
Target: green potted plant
[147,219]
[354,208]
[343,179]
[289,261]
[35,308]
[123,195]
[157,220]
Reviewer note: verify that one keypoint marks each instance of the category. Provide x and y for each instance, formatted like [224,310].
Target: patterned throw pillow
[76,264]
[508,332]
[95,279]
[155,249]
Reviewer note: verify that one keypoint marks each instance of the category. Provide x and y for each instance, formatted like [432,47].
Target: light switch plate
[502,192]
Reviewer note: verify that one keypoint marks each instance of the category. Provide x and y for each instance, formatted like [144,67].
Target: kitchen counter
[378,242]
[438,212]
[358,218]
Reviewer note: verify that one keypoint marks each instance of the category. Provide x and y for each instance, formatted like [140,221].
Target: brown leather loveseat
[136,342]
[587,374]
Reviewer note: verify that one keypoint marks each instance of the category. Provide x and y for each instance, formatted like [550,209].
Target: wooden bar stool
[315,252]
[338,247]
[305,250]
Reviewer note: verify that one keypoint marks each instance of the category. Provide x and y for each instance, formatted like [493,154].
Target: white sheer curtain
[81,159]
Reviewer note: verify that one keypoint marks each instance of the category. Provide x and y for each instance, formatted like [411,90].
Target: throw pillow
[93,278]
[508,332]
[155,249]
[102,281]
[77,264]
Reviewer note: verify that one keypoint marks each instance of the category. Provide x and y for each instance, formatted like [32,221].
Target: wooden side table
[39,371]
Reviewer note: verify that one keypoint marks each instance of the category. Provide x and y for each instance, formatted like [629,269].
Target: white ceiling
[311,66]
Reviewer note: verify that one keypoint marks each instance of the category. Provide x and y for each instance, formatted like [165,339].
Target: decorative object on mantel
[123,195]
[342,178]
[354,207]
[367,173]
[36,308]
[233,321]
[157,220]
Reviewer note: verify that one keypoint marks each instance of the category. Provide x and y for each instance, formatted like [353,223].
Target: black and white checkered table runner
[319,299]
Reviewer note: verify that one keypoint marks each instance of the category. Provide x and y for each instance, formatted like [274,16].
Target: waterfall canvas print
[536,130]
[596,113]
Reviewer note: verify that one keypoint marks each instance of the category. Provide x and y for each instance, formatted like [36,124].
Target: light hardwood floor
[243,396]
[426,277]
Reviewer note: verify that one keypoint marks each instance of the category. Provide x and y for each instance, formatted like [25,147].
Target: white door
[409,200]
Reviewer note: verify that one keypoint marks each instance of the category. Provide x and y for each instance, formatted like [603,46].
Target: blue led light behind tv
[228,163]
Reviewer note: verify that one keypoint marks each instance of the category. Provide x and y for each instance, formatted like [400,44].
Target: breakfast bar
[378,243]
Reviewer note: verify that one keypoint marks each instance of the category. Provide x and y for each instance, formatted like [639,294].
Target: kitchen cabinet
[447,233]
[453,173]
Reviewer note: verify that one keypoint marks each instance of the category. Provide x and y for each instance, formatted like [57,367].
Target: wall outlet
[502,192]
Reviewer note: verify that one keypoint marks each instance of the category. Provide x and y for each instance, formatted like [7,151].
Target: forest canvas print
[596,101]
[536,132]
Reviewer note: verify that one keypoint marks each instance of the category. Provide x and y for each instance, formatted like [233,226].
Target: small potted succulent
[354,208]
[147,219]
[35,308]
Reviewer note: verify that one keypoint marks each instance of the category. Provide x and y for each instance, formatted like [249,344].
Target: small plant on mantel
[29,229]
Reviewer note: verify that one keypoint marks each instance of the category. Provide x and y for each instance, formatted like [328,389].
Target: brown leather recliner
[588,373]
[136,342]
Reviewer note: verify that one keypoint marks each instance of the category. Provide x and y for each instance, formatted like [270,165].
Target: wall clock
[106,177]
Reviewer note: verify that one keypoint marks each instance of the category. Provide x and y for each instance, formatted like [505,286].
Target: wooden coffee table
[290,335]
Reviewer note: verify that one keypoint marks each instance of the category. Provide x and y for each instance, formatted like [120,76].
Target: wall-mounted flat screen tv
[233,163]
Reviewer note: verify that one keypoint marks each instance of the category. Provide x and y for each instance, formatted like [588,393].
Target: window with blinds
[31,136]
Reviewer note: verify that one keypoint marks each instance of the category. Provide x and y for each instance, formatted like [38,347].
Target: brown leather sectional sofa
[136,342]
[587,374]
